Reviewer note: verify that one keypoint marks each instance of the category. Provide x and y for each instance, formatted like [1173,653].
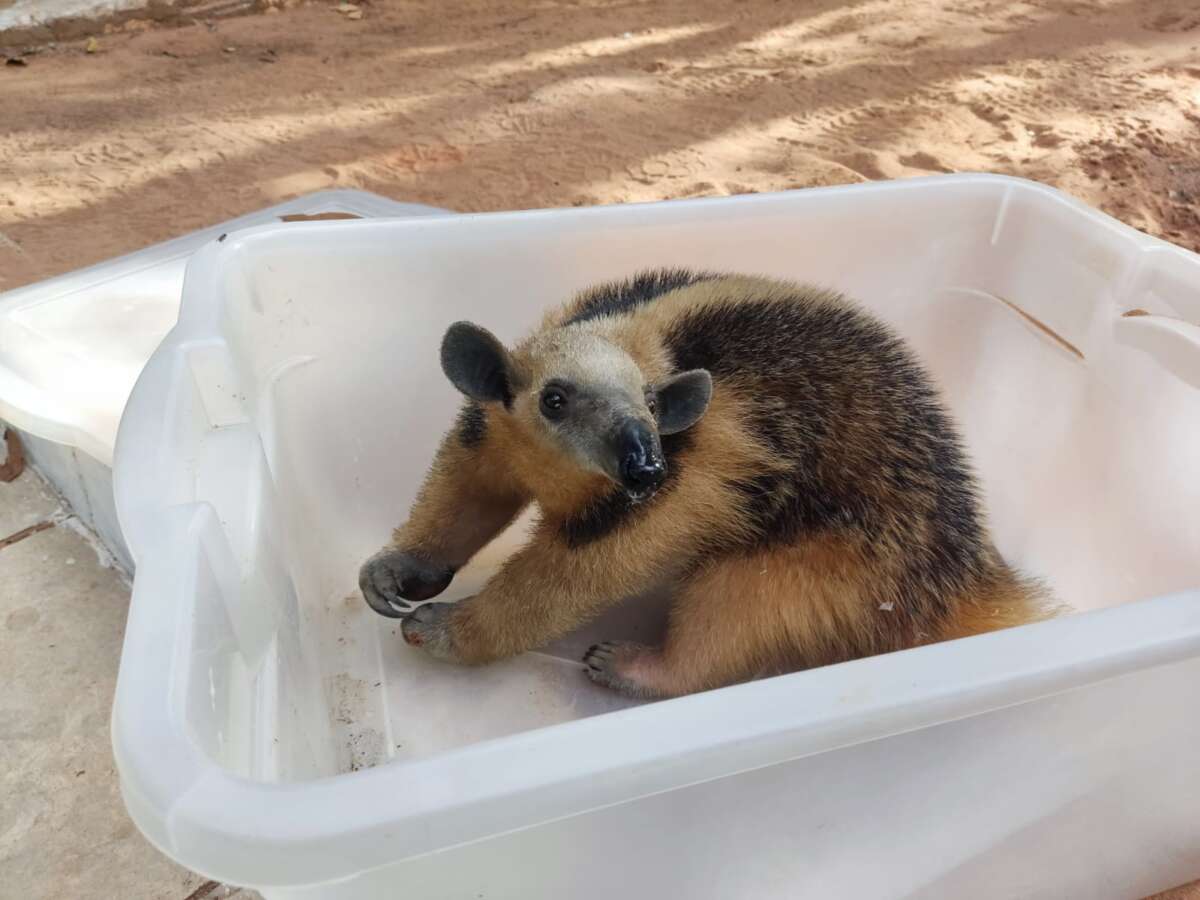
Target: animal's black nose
[641,474]
[642,467]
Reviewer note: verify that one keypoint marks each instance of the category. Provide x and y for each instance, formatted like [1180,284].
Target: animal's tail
[1003,600]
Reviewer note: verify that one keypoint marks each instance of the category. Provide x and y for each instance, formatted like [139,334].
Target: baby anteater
[770,453]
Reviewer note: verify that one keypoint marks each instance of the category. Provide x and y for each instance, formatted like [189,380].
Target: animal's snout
[642,476]
[642,467]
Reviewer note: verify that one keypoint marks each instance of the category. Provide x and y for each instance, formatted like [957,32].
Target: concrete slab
[87,487]
[25,13]
[59,465]
[32,22]
[25,502]
[64,831]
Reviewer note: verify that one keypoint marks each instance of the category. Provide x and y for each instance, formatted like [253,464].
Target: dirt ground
[497,105]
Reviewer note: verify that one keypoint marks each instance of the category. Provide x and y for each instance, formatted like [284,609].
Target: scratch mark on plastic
[1042,327]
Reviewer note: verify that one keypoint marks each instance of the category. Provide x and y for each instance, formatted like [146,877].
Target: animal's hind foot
[624,667]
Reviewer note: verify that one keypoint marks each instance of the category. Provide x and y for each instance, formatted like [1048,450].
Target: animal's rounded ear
[477,364]
[682,400]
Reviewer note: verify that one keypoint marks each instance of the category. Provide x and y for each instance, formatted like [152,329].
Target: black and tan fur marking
[620,297]
[820,509]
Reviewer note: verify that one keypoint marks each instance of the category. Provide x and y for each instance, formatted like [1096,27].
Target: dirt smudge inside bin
[362,746]
[349,698]
[366,749]
[318,217]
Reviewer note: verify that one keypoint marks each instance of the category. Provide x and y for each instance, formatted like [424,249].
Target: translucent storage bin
[71,348]
[271,731]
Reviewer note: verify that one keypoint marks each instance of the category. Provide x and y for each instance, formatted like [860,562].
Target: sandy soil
[497,105]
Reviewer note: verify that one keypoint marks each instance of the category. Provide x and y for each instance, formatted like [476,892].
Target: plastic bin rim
[1003,183]
[403,809]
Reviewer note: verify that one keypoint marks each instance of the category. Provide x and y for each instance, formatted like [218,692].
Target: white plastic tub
[71,348]
[271,731]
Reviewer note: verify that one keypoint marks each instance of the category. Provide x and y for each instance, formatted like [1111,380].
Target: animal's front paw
[393,579]
[622,666]
[428,627]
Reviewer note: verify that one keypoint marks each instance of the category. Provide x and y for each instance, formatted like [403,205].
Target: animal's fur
[821,509]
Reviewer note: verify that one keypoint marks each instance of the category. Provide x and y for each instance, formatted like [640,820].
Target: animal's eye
[554,403]
[652,403]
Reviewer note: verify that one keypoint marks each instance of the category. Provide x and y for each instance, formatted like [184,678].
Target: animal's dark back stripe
[619,297]
[771,337]
[840,398]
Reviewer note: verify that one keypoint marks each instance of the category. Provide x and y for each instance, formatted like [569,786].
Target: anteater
[768,452]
